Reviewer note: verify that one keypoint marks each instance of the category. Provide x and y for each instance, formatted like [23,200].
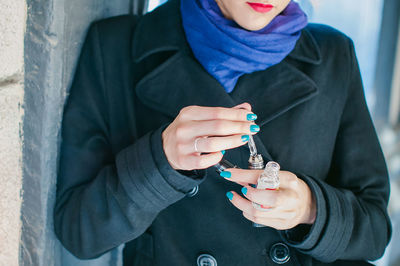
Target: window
[361,22]
[154,3]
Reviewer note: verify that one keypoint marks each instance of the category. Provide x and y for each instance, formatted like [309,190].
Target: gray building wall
[12,24]
[55,30]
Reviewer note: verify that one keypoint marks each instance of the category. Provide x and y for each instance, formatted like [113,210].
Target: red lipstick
[262,8]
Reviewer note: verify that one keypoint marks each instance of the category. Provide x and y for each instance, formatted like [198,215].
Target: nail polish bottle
[224,164]
[255,160]
[269,179]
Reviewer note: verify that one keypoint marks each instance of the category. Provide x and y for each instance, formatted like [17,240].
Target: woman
[156,102]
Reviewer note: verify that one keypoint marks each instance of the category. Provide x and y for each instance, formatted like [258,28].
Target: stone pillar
[12,25]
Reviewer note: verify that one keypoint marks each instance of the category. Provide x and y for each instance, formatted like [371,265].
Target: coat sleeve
[352,221]
[103,200]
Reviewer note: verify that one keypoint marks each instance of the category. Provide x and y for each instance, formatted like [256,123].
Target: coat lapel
[179,82]
[274,91]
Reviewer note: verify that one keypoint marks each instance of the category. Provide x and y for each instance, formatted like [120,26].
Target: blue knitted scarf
[227,51]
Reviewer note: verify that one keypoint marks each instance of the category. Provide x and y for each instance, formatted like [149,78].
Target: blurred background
[40,41]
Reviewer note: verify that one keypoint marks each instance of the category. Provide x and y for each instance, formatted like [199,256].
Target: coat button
[206,260]
[279,253]
[193,192]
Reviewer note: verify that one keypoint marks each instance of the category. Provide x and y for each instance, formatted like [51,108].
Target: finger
[216,113]
[288,180]
[197,161]
[267,198]
[274,214]
[216,128]
[241,203]
[279,224]
[244,105]
[238,175]
[247,206]
[214,144]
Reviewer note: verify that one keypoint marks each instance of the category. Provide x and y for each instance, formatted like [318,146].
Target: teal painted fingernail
[251,117]
[245,138]
[254,128]
[244,190]
[226,174]
[229,195]
[223,152]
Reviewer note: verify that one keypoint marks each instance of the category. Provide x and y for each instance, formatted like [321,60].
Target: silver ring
[195,144]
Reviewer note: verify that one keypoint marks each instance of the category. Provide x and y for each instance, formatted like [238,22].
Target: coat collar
[165,23]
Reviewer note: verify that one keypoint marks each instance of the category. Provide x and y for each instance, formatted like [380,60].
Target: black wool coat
[115,185]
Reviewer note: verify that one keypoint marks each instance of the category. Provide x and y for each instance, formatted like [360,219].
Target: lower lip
[260,7]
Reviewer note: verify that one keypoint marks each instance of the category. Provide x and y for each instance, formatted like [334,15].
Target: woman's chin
[252,25]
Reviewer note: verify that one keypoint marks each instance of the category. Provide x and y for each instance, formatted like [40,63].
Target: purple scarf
[227,51]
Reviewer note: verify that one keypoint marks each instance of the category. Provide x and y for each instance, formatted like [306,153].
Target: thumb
[244,105]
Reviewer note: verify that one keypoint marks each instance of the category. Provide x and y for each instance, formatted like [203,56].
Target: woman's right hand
[217,128]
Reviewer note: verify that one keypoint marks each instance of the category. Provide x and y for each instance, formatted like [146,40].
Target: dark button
[279,253]
[206,260]
[193,192]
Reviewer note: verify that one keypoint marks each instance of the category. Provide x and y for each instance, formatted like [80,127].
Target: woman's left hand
[292,204]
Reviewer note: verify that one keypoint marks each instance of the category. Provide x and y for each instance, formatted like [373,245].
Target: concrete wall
[54,34]
[12,25]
